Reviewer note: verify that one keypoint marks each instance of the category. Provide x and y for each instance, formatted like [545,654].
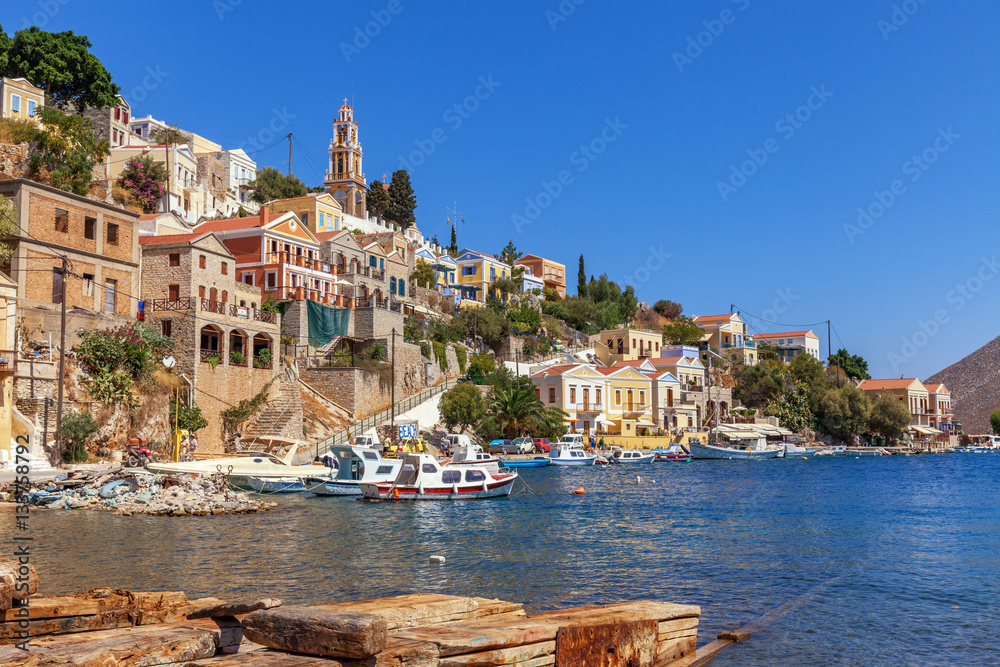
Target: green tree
[453,246]
[628,304]
[509,254]
[168,135]
[844,411]
[807,369]
[995,421]
[462,406]
[581,281]
[525,319]
[481,366]
[682,331]
[377,200]
[516,410]
[484,323]
[60,63]
[758,386]
[66,151]
[888,417]
[424,275]
[8,227]
[668,309]
[402,201]
[853,365]
[76,428]
[607,315]
[189,419]
[793,410]
[271,184]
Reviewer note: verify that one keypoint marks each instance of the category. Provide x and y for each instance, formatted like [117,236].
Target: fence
[359,427]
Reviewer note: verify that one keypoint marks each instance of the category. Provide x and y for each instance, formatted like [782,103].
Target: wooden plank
[678,624]
[16,581]
[503,656]
[316,631]
[671,651]
[738,635]
[52,607]
[624,612]
[481,635]
[234,608]
[608,645]
[147,646]
[427,609]
[705,654]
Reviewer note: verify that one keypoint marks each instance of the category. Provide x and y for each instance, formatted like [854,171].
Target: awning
[604,422]
[923,430]
[645,424]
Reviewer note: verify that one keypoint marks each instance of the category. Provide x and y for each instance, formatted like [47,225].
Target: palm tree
[516,410]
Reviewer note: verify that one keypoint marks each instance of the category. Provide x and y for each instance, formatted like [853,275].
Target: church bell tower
[344,178]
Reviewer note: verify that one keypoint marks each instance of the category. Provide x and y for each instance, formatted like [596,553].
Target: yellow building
[578,389]
[8,363]
[20,100]
[629,402]
[185,196]
[318,211]
[553,274]
[729,336]
[476,273]
[910,391]
[616,345]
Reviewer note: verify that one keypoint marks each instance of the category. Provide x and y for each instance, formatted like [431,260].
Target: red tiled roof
[556,370]
[937,389]
[231,224]
[326,236]
[784,334]
[632,362]
[727,316]
[900,383]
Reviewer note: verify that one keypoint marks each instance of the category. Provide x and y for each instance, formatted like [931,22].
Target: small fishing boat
[423,478]
[536,462]
[674,452]
[631,456]
[569,452]
[471,454]
[355,464]
[734,451]
[279,484]
[243,466]
[793,448]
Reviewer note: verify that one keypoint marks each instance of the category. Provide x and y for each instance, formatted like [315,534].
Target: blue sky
[683,94]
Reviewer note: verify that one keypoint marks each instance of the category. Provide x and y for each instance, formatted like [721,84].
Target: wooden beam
[315,631]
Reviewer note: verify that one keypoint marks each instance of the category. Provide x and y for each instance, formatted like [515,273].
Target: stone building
[111,124]
[354,265]
[100,241]
[399,261]
[225,345]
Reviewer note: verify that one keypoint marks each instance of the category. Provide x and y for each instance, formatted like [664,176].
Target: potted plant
[236,357]
[263,359]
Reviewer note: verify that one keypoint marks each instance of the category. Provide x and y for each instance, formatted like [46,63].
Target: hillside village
[204,292]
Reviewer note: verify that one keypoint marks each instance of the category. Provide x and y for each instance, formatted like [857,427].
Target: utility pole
[392,389]
[62,360]
[289,154]
[829,351]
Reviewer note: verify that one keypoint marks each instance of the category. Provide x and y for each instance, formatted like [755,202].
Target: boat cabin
[353,461]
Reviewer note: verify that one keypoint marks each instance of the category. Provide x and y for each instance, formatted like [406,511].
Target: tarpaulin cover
[326,323]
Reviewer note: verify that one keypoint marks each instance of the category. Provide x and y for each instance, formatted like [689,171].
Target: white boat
[795,449]
[569,452]
[241,467]
[282,484]
[423,478]
[631,456]
[700,450]
[471,454]
[355,464]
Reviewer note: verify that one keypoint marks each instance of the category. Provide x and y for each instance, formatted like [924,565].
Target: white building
[791,344]
[242,172]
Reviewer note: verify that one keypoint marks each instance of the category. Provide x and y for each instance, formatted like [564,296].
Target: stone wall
[14,160]
[295,322]
[432,299]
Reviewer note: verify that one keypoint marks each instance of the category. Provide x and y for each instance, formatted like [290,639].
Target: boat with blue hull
[536,462]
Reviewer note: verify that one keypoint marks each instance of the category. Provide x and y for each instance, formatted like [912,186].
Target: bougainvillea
[145,182]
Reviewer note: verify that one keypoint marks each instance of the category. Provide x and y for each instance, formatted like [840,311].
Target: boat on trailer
[422,477]
[355,464]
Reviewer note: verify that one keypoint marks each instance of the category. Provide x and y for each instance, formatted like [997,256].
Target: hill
[974,385]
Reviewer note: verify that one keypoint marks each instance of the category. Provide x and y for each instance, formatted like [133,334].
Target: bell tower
[344,178]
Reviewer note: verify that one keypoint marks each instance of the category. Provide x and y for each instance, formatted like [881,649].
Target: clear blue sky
[775,246]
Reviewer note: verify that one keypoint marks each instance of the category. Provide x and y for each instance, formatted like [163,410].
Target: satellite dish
[169,361]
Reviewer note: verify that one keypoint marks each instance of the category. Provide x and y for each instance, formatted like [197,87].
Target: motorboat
[242,466]
[732,450]
[422,477]
[793,448]
[631,456]
[536,462]
[569,452]
[282,484]
[355,464]
[674,452]
[471,454]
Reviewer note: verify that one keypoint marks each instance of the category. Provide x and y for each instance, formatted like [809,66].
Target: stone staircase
[282,417]
[41,411]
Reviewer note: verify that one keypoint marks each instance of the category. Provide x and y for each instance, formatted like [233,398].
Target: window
[15,103]
[392,285]
[175,259]
[642,398]
[305,219]
[118,113]
[62,220]
[173,292]
[88,284]
[493,273]
[618,396]
[469,270]
[428,467]
[451,476]
[225,268]
[372,261]
[597,397]
[112,233]
[201,261]
[166,327]
[89,228]
[110,292]
[572,395]
[381,264]
[272,280]
[402,287]
[383,470]
[552,395]
[248,279]
[201,291]
[32,108]
[474,476]
[225,296]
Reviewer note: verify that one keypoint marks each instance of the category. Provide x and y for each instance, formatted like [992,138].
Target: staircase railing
[357,428]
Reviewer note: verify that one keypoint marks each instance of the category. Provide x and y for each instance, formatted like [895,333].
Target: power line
[780,324]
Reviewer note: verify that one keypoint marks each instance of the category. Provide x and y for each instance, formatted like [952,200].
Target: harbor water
[890,560]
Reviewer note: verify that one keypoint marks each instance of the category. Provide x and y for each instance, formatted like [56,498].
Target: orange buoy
[395,494]
[580,491]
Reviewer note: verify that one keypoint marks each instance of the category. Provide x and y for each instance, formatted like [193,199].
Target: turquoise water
[890,560]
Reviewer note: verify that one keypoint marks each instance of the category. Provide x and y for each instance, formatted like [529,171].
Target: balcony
[262,361]
[217,307]
[587,406]
[206,355]
[300,261]
[689,397]
[264,316]
[634,407]
[8,361]
[176,305]
[241,312]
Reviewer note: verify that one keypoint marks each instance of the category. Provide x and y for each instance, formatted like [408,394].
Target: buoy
[579,491]
[395,494]
[805,458]
[638,479]
[437,559]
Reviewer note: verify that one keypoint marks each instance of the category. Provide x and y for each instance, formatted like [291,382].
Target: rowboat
[423,478]
[674,452]
[279,484]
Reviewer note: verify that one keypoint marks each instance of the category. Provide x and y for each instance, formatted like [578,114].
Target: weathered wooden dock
[118,628]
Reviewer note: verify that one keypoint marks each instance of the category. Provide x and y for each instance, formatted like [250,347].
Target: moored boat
[471,454]
[569,452]
[536,462]
[700,450]
[674,452]
[241,467]
[280,484]
[355,464]
[423,478]
[631,456]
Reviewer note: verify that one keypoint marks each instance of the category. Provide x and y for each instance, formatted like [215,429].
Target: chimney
[263,216]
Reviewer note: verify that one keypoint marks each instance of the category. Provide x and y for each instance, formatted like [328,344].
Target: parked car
[522,446]
[542,445]
[500,446]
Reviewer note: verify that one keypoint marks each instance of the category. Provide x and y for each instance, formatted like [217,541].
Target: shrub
[144,181]
[462,358]
[481,366]
[236,357]
[76,428]
[377,351]
[263,359]
[187,418]
[269,305]
[441,356]
[425,350]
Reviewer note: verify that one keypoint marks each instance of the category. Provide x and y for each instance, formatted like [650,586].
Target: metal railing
[359,427]
[8,361]
[211,354]
[171,304]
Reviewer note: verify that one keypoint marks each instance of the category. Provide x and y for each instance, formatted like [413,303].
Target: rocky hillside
[975,386]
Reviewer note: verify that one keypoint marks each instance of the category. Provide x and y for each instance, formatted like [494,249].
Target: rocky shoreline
[130,493]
